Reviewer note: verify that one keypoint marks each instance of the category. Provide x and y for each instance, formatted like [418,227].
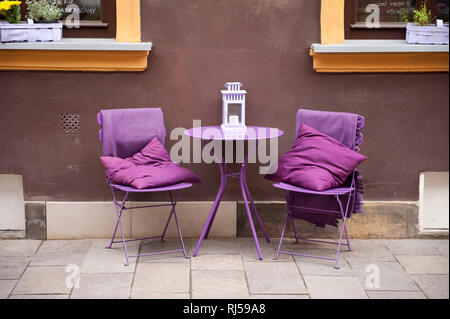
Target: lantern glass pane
[233,111]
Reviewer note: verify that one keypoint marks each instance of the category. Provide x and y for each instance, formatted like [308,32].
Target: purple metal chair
[123,133]
[326,207]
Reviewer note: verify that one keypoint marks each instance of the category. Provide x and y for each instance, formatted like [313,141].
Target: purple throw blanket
[346,128]
[126,131]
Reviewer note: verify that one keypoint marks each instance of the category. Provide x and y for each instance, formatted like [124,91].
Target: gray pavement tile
[412,247]
[383,275]
[274,278]
[219,285]
[442,246]
[268,250]
[156,245]
[6,286]
[61,253]
[315,266]
[334,287]
[151,278]
[101,260]
[424,264]
[228,246]
[13,267]
[39,297]
[217,262]
[434,286]
[374,250]
[14,247]
[103,286]
[43,280]
[396,295]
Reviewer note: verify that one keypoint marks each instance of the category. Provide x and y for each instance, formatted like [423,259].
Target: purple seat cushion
[149,168]
[316,162]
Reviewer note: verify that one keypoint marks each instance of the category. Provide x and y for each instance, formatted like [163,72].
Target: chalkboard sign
[390,10]
[87,9]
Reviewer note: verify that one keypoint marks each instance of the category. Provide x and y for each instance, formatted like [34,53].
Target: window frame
[104,28]
[354,30]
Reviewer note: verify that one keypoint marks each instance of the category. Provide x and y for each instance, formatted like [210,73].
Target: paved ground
[224,268]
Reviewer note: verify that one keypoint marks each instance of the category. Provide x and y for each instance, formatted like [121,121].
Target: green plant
[423,15]
[43,11]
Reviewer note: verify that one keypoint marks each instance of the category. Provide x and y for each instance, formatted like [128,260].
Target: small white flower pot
[30,32]
[432,34]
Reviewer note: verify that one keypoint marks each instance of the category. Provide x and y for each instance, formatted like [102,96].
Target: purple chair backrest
[344,127]
[126,131]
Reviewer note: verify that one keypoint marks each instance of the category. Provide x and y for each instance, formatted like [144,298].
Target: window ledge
[79,44]
[376,46]
[379,56]
[75,55]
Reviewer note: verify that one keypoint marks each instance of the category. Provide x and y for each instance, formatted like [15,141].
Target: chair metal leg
[282,236]
[168,220]
[344,219]
[119,210]
[174,203]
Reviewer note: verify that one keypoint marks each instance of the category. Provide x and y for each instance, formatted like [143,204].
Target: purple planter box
[30,32]
[432,34]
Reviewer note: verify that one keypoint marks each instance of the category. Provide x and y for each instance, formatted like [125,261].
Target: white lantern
[233,108]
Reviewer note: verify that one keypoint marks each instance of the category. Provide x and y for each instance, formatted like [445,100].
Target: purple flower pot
[431,34]
[30,32]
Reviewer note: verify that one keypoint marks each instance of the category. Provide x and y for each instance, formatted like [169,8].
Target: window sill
[75,55]
[379,56]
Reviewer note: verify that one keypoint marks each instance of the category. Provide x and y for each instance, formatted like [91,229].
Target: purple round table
[215,133]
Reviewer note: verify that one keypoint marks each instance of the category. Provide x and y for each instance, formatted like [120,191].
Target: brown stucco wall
[198,46]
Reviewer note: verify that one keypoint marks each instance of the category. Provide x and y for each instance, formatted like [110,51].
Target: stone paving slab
[219,285]
[158,245]
[442,246]
[434,286]
[268,250]
[274,278]
[396,295]
[43,280]
[424,265]
[217,262]
[280,297]
[224,269]
[13,267]
[374,250]
[383,275]
[227,246]
[101,260]
[6,286]
[321,267]
[163,295]
[334,287]
[103,286]
[412,247]
[61,253]
[151,278]
[39,297]
[13,248]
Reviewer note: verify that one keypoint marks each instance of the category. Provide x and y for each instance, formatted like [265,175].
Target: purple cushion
[316,161]
[149,168]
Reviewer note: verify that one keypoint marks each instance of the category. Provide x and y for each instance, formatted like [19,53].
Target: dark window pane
[442,10]
[88,9]
[390,10]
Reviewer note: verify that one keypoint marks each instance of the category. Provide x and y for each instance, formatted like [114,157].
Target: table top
[251,133]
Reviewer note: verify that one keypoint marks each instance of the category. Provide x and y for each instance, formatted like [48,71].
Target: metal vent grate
[69,122]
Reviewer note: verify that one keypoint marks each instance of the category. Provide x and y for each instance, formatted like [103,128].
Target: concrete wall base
[77,220]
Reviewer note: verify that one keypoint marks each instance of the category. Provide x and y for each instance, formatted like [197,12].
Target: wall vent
[69,122]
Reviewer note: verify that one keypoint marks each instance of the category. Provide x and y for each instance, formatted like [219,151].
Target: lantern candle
[233,120]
